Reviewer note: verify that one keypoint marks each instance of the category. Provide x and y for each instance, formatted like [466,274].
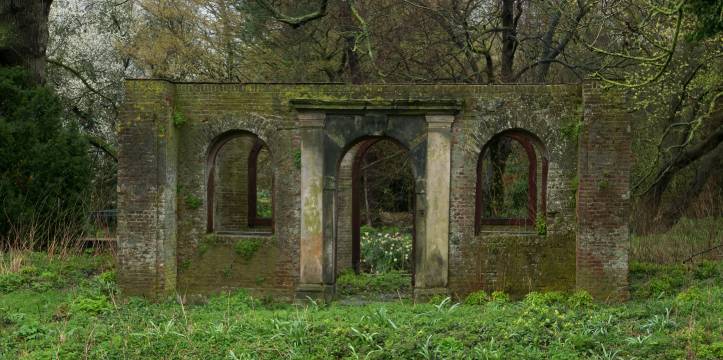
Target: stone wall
[163,162]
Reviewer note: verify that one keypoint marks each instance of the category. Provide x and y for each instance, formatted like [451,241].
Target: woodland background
[666,55]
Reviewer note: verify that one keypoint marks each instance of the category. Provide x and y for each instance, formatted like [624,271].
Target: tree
[44,165]
[672,71]
[24,35]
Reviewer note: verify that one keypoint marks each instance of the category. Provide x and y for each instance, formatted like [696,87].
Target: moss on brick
[187,117]
[247,248]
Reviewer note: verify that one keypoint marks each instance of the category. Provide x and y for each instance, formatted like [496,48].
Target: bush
[477,298]
[94,305]
[707,270]
[385,249]
[10,282]
[580,298]
[500,297]
[44,162]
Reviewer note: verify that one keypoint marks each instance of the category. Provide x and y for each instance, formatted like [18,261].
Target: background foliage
[44,164]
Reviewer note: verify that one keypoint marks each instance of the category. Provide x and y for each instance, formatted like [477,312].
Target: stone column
[311,276]
[432,248]
[147,163]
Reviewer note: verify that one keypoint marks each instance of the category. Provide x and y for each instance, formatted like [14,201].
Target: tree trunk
[652,198]
[509,39]
[350,54]
[708,166]
[24,35]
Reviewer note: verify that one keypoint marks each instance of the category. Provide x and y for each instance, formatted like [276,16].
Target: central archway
[390,217]
[328,131]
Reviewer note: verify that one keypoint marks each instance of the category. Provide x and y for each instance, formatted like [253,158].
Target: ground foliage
[69,308]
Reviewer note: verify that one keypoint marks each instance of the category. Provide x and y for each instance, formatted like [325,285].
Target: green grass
[394,282]
[69,309]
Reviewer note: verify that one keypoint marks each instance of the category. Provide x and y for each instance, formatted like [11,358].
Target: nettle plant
[385,249]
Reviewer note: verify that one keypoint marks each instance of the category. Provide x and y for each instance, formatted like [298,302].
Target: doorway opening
[375,218]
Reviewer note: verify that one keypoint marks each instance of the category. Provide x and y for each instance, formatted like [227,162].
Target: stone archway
[348,201]
[326,136]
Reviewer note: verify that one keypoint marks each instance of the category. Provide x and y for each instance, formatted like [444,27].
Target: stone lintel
[399,106]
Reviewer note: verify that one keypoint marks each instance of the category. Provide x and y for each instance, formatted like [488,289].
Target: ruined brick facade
[170,242]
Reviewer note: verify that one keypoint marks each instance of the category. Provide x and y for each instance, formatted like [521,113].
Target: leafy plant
[95,305]
[247,248]
[384,250]
[193,202]
[541,225]
[178,118]
[477,298]
[297,158]
[500,297]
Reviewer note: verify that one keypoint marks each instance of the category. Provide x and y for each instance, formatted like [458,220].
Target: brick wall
[158,229]
[603,198]
[147,191]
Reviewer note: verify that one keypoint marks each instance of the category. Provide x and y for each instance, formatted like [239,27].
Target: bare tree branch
[294,21]
[80,77]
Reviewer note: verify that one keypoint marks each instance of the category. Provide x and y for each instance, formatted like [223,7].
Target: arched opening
[375,209]
[239,185]
[511,181]
[260,187]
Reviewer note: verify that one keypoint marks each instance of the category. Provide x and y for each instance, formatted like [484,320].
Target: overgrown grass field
[68,308]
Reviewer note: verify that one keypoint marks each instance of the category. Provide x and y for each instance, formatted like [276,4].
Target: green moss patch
[247,248]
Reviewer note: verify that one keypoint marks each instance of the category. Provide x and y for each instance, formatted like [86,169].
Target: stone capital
[439,121]
[311,119]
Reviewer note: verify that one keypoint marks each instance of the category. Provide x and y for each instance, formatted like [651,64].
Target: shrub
[247,248]
[95,305]
[713,351]
[44,163]
[580,298]
[537,299]
[477,298]
[706,270]
[10,282]
[385,249]
[500,297]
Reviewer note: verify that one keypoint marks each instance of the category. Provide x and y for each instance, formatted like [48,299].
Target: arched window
[511,180]
[240,185]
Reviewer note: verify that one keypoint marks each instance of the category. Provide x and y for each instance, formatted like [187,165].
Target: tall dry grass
[688,240]
[59,238]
